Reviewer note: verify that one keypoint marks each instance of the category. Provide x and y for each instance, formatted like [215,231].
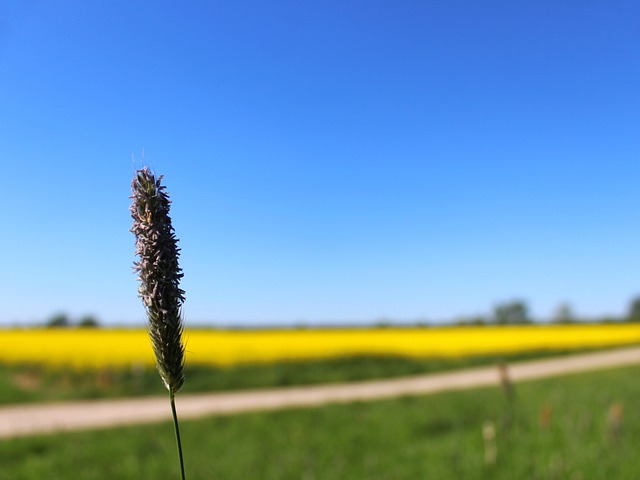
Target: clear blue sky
[327,161]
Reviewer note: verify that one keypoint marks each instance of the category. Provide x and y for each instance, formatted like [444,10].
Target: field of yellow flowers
[89,348]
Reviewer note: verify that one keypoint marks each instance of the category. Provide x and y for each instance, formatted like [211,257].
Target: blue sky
[327,161]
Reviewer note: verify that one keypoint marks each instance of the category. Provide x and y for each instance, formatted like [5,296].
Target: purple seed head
[159,274]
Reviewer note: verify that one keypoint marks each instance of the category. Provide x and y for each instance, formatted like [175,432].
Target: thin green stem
[177,429]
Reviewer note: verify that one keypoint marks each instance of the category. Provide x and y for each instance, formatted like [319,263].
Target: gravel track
[30,419]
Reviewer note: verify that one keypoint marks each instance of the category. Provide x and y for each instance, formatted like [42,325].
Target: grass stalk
[159,274]
[176,427]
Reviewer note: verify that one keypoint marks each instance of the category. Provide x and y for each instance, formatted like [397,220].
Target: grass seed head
[159,274]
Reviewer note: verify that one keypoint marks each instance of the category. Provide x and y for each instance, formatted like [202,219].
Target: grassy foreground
[579,427]
[37,383]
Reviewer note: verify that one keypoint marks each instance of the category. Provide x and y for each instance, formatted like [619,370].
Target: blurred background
[437,185]
[329,163]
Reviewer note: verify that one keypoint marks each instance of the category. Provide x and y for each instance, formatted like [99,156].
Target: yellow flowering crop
[95,348]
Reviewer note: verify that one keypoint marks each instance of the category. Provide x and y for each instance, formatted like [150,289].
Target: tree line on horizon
[514,312]
[59,320]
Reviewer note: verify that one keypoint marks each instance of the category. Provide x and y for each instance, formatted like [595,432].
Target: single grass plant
[159,274]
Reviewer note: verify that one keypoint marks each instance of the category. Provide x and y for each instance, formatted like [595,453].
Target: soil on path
[20,420]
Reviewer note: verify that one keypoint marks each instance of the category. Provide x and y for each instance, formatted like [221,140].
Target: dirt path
[20,420]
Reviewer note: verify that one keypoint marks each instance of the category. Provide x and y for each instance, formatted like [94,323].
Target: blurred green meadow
[37,383]
[577,427]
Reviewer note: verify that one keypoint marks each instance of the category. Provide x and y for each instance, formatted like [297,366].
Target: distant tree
[422,323]
[477,321]
[88,321]
[474,321]
[563,314]
[383,322]
[59,320]
[634,310]
[511,313]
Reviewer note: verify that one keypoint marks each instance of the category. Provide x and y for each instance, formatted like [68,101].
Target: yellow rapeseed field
[97,348]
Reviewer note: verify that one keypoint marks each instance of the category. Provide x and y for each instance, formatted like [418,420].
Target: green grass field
[32,383]
[552,429]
